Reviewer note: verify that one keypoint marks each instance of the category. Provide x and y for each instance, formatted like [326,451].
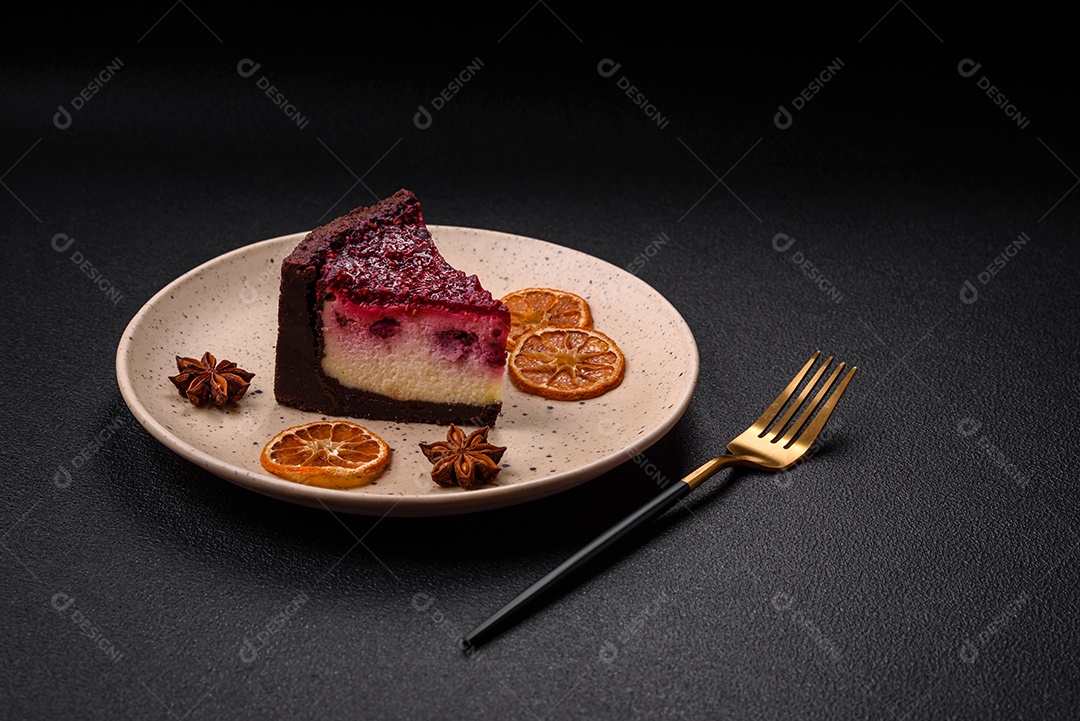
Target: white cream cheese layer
[427,355]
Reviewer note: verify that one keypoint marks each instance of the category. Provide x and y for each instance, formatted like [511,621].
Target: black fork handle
[532,595]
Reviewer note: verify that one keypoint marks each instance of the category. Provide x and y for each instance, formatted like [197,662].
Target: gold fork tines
[819,421]
[779,438]
[802,397]
[765,419]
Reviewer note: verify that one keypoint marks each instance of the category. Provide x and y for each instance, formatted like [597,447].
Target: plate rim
[399,505]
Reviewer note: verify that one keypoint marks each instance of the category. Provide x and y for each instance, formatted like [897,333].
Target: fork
[775,442]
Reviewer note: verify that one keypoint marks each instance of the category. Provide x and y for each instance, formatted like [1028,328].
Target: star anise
[468,461]
[208,381]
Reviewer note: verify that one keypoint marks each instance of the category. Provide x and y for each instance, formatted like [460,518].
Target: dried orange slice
[534,308]
[566,364]
[328,454]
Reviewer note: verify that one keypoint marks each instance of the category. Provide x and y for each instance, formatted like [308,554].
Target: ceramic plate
[228,306]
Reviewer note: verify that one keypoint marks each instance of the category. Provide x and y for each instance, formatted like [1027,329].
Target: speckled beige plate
[228,306]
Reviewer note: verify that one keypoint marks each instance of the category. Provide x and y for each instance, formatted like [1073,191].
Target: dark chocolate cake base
[361,404]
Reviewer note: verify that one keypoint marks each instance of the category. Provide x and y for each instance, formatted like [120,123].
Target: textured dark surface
[922,565]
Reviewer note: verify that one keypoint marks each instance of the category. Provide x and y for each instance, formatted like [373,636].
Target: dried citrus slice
[329,454]
[534,308]
[566,364]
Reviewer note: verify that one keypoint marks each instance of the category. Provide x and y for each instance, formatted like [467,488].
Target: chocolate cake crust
[355,403]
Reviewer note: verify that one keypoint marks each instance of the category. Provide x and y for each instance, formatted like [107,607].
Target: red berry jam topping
[390,258]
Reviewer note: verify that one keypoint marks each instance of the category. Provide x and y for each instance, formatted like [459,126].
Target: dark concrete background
[923,565]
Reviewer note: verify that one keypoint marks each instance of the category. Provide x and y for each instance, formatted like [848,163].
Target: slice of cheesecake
[374,323]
